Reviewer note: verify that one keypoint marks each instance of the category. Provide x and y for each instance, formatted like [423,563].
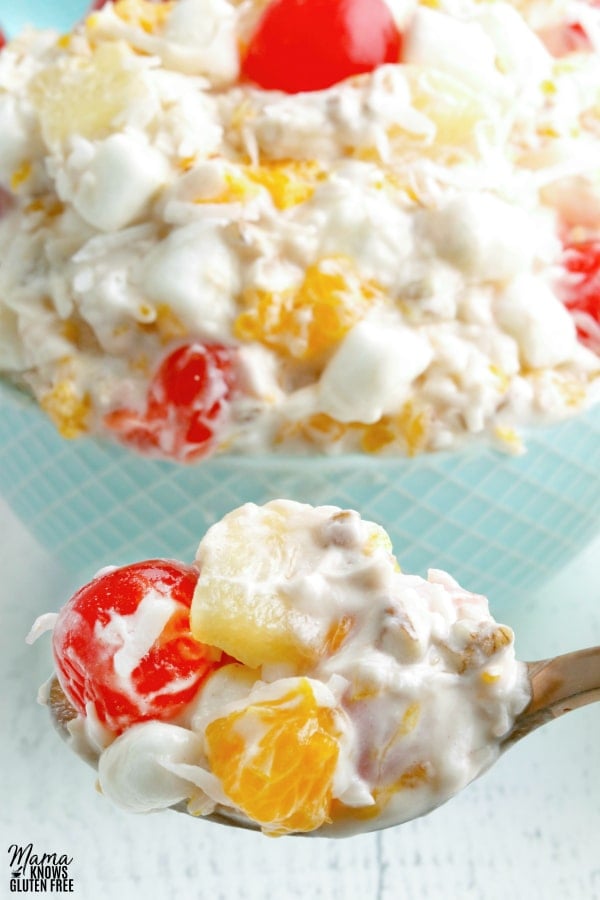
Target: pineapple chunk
[262,569]
[86,96]
[456,110]
[240,604]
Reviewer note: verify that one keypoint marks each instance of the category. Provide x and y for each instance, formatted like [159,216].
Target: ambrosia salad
[293,677]
[369,225]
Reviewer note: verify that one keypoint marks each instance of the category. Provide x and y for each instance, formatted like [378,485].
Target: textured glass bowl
[41,13]
[499,524]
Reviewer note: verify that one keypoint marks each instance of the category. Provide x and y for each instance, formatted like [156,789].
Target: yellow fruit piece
[510,438]
[379,539]
[276,760]
[319,429]
[338,633]
[290,182]
[412,778]
[240,604]
[238,189]
[252,565]
[324,426]
[67,409]
[410,426]
[503,378]
[20,176]
[306,322]
[460,115]
[453,106]
[165,322]
[86,96]
[144,14]
[49,205]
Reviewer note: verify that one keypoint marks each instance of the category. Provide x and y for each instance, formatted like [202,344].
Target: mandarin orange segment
[308,321]
[289,182]
[411,425]
[276,760]
[67,408]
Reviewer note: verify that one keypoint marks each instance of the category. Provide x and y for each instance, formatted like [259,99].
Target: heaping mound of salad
[293,677]
[303,225]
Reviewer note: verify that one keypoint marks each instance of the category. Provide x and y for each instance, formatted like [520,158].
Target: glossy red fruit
[308,45]
[123,644]
[565,38]
[580,288]
[2,39]
[187,404]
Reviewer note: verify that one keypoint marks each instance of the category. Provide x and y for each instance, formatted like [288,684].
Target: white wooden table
[528,830]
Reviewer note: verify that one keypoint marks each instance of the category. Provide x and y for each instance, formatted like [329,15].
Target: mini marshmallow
[371,372]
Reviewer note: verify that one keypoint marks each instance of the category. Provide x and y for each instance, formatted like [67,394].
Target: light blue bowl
[41,13]
[499,524]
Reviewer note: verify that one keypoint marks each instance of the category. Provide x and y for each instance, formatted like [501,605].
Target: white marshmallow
[538,321]
[483,236]
[131,770]
[123,175]
[197,275]
[205,32]
[371,372]
[520,52]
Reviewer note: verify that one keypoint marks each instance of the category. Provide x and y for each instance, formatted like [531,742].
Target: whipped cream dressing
[159,200]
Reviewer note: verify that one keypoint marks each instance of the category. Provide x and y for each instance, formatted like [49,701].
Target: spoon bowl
[558,685]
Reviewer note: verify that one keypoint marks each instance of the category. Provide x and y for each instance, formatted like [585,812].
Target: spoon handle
[558,685]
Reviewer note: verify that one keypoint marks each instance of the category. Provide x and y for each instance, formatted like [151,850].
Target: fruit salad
[303,226]
[292,678]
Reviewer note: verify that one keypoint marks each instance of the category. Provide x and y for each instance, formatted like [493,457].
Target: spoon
[558,685]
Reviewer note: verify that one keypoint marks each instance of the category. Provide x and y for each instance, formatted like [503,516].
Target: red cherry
[308,45]
[187,404]
[565,38]
[123,644]
[580,288]
[2,39]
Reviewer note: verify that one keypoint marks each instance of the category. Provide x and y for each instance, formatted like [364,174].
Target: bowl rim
[471,448]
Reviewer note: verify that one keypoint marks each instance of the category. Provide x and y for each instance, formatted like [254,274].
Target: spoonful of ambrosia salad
[294,679]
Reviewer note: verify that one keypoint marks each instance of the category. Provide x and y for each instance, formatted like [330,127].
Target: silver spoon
[558,685]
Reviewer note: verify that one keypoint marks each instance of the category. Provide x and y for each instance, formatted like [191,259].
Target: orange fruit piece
[276,759]
[309,321]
